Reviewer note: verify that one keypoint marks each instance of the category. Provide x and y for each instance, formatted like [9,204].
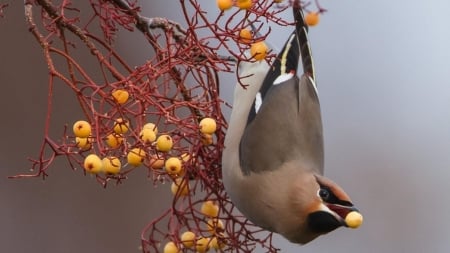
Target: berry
[171,247]
[173,166]
[202,245]
[353,219]
[188,239]
[208,126]
[114,140]
[224,4]
[84,143]
[258,50]
[210,209]
[82,129]
[164,143]
[245,36]
[93,164]
[216,244]
[312,18]
[244,4]
[121,126]
[136,156]
[120,96]
[215,225]
[207,139]
[111,165]
[151,126]
[147,135]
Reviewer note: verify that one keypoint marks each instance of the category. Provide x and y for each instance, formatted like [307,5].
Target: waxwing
[273,158]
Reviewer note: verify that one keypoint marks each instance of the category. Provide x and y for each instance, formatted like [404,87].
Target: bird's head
[326,208]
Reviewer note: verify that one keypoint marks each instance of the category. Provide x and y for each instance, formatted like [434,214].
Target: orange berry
[164,143]
[188,239]
[120,96]
[151,126]
[147,135]
[210,209]
[215,226]
[93,164]
[121,126]
[258,50]
[111,165]
[173,166]
[208,125]
[202,245]
[244,4]
[171,247]
[354,219]
[216,244]
[136,156]
[82,129]
[312,18]
[245,36]
[84,143]
[114,140]
[224,4]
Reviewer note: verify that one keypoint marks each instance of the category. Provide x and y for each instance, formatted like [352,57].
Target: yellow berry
[114,140]
[173,166]
[147,135]
[164,143]
[171,247]
[202,245]
[215,225]
[208,126]
[224,4]
[82,129]
[312,18]
[209,209]
[244,4]
[353,219]
[188,239]
[120,96]
[121,126]
[245,36]
[151,126]
[216,243]
[207,139]
[84,143]
[111,165]
[180,187]
[93,164]
[258,50]
[136,156]
[156,162]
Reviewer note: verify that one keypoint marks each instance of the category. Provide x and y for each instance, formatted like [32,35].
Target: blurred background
[383,70]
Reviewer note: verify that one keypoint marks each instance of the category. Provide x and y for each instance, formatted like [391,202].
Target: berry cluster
[164,115]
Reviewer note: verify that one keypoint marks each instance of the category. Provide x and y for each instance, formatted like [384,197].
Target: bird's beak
[342,211]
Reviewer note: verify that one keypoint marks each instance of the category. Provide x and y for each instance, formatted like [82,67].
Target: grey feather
[287,127]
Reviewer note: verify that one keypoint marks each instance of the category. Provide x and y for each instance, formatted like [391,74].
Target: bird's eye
[324,193]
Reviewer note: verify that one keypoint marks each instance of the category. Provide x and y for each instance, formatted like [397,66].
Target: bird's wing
[287,127]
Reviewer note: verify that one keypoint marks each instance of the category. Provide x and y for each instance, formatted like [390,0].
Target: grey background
[383,71]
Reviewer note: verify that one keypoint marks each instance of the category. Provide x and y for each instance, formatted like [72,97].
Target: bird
[273,156]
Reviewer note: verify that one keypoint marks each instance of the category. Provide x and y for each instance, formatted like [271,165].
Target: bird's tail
[301,30]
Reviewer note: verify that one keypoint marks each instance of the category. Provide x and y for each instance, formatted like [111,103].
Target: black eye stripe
[331,198]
